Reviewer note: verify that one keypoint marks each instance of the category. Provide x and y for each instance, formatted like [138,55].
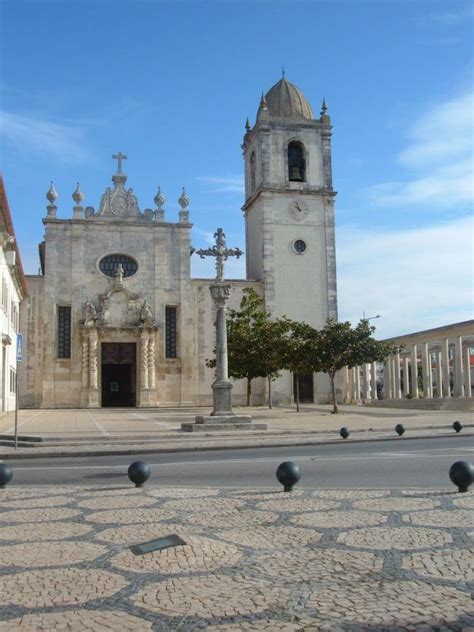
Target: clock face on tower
[298,209]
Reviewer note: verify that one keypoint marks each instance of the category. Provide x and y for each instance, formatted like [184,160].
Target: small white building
[13,291]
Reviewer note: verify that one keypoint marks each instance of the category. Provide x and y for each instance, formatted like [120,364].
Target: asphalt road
[393,464]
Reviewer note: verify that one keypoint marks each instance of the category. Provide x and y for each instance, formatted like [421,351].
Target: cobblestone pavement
[335,560]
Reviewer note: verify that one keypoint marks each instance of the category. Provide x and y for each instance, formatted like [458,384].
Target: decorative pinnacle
[324,108]
[247,124]
[183,200]
[263,103]
[283,72]
[159,199]
[78,195]
[52,194]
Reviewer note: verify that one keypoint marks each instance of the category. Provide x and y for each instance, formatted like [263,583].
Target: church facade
[115,319]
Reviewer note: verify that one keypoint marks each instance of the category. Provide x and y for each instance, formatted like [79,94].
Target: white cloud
[415,279]
[225,184]
[440,157]
[30,134]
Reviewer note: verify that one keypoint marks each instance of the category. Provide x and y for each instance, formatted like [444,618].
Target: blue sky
[171,83]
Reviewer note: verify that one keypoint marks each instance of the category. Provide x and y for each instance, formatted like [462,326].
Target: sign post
[19,351]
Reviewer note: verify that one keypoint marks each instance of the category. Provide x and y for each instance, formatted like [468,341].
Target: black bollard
[461,474]
[344,432]
[6,475]
[139,472]
[288,474]
[457,425]
[399,429]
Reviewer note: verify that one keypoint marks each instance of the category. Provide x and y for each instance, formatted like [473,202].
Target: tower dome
[285,101]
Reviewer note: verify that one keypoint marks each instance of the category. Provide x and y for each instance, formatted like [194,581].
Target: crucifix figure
[220,252]
[119,157]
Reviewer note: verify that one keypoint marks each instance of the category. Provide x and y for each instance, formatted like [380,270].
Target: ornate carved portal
[118,351]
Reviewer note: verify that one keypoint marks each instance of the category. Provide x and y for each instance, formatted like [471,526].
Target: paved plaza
[107,431]
[333,560]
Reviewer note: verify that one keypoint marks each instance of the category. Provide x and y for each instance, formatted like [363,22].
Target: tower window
[296,162]
[252,171]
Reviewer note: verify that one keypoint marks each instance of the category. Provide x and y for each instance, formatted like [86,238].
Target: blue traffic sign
[19,347]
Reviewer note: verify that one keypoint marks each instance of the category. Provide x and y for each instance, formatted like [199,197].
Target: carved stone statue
[146,315]
[89,314]
[119,275]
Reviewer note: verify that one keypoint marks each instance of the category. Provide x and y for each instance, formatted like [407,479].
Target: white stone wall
[9,294]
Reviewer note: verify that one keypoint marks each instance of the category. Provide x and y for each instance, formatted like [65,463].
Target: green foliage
[340,345]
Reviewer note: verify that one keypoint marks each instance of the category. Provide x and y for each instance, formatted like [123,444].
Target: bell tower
[289,206]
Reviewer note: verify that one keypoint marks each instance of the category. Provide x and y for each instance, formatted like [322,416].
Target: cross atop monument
[220,252]
[119,157]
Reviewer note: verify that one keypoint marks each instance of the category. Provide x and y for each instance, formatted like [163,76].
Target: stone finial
[324,107]
[159,199]
[263,103]
[184,200]
[247,124]
[78,195]
[52,194]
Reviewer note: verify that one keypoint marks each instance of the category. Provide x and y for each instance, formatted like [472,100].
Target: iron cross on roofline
[220,252]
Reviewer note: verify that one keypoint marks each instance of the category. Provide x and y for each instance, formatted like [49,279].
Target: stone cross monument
[222,416]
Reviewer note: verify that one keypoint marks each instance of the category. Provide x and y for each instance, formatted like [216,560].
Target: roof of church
[285,101]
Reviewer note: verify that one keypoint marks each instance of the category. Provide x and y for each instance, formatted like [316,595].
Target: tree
[298,351]
[253,342]
[340,345]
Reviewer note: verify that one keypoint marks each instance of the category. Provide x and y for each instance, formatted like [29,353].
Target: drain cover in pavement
[157,545]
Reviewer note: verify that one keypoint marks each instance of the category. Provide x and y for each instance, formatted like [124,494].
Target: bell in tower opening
[296,162]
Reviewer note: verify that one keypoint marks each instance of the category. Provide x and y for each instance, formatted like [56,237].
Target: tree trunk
[335,409]
[249,390]
[269,392]
[297,393]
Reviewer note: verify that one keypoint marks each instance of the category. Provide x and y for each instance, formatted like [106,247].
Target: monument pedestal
[226,423]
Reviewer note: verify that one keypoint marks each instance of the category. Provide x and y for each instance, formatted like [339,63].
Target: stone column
[467,373]
[144,360]
[85,361]
[396,362]
[387,379]
[222,388]
[366,369]
[458,376]
[345,384]
[426,368]
[414,372]
[93,343]
[151,361]
[406,375]
[439,373]
[357,383]
[445,368]
[373,380]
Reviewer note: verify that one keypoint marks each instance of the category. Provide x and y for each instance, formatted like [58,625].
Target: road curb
[204,448]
